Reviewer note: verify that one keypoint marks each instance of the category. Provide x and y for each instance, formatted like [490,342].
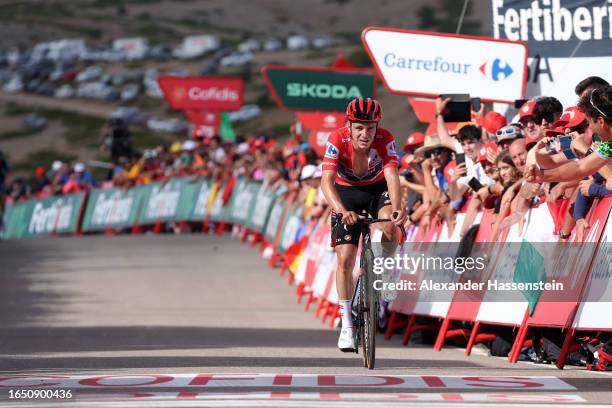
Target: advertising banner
[321,125]
[259,215]
[428,64]
[206,124]
[52,215]
[203,93]
[112,208]
[568,41]
[323,89]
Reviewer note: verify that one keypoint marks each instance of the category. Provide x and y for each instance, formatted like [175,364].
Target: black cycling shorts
[362,200]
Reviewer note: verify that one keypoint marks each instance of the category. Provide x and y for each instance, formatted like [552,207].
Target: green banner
[199,208]
[274,220]
[293,222]
[259,213]
[243,200]
[112,208]
[325,89]
[218,211]
[43,217]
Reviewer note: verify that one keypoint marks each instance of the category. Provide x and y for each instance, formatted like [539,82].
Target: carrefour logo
[496,69]
[331,151]
[324,91]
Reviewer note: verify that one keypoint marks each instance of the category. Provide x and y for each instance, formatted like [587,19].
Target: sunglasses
[322,205]
[434,152]
[594,106]
[506,131]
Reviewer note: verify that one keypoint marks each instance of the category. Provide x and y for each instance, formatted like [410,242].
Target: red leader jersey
[339,157]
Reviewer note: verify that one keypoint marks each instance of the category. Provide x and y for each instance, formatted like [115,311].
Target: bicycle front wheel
[370,312]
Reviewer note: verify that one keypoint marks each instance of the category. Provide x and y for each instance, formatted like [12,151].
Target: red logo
[203,93]
[347,237]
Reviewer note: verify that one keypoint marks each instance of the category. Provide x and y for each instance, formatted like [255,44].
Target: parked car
[89,74]
[166,125]
[297,42]
[131,115]
[323,41]
[247,112]
[250,45]
[236,59]
[35,121]
[130,92]
[273,44]
[64,92]
[210,68]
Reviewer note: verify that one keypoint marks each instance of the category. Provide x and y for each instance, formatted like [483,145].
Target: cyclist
[360,175]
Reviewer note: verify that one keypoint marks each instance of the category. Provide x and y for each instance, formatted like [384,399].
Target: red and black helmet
[364,110]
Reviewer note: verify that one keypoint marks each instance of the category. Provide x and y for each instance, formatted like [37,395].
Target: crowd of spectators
[545,154]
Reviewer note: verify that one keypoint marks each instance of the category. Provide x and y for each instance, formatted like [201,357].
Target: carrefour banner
[112,208]
[568,41]
[52,215]
[429,63]
[313,88]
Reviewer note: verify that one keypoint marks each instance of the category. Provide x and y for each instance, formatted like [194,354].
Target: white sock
[345,313]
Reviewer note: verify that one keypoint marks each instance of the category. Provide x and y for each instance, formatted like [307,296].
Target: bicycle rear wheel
[370,311]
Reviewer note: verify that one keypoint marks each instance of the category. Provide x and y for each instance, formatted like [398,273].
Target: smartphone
[459,158]
[520,102]
[565,141]
[475,104]
[474,184]
[458,109]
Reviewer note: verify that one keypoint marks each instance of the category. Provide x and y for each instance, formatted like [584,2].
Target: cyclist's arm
[393,185]
[329,191]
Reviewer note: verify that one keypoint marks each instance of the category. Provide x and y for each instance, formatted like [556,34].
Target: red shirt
[339,157]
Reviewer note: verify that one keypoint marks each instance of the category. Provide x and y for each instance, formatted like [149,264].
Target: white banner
[429,64]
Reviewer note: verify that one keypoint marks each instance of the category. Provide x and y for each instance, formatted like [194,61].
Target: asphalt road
[198,320]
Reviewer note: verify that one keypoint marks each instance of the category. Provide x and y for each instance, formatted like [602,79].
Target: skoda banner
[203,93]
[428,64]
[568,41]
[323,89]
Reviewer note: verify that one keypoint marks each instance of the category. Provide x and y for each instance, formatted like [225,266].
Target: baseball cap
[482,153]
[407,161]
[570,118]
[414,140]
[56,165]
[527,109]
[493,121]
[176,147]
[310,171]
[558,130]
[242,148]
[40,171]
[188,145]
[79,167]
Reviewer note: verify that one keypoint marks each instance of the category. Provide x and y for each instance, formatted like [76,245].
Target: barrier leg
[442,335]
[290,278]
[519,340]
[408,331]
[391,325]
[311,298]
[158,228]
[321,306]
[335,314]
[299,292]
[567,342]
[471,341]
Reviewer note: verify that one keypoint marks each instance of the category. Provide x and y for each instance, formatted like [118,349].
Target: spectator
[598,108]
[41,180]
[4,170]
[587,85]
[119,139]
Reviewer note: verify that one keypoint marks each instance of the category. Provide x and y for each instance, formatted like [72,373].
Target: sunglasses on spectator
[594,106]
[322,205]
[510,130]
[434,152]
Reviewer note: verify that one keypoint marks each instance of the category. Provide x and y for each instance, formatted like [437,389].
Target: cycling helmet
[364,110]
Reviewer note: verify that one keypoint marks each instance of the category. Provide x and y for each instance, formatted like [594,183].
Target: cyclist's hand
[398,217]
[349,217]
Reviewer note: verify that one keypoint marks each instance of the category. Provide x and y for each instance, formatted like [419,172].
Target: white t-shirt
[473,170]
